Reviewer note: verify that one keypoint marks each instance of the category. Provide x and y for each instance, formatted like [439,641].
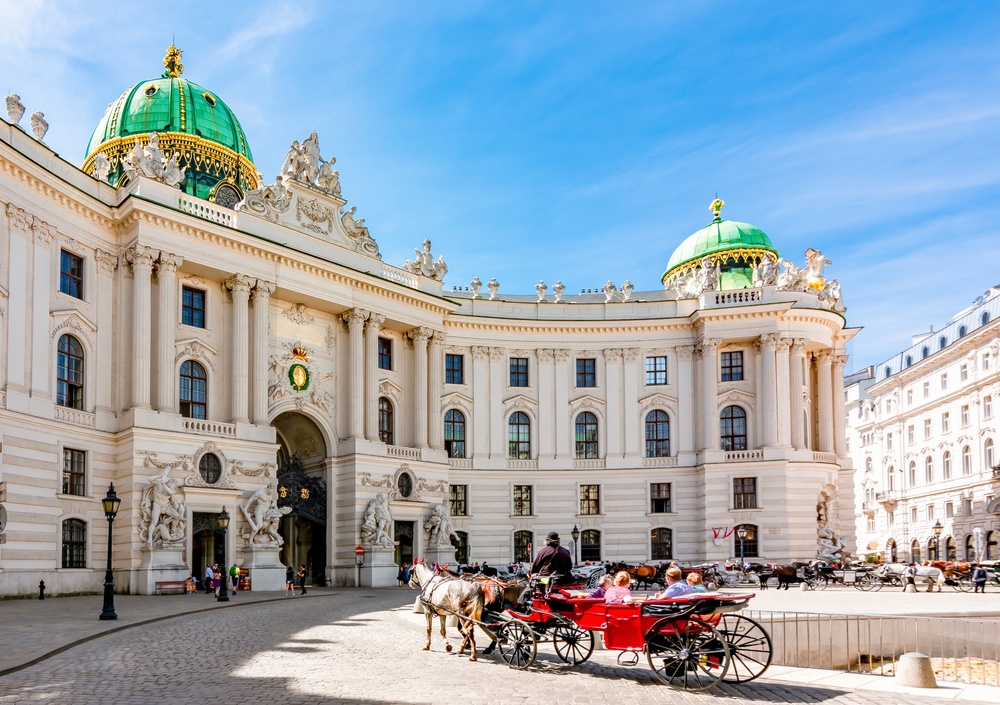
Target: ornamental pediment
[736,396]
[74,323]
[657,399]
[457,400]
[194,348]
[520,403]
[587,403]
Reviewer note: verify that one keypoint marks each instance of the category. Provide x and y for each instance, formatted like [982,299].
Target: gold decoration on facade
[749,256]
[300,353]
[282,491]
[304,493]
[172,61]
[717,206]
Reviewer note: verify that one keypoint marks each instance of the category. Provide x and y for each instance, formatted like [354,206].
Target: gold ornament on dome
[717,206]
[172,61]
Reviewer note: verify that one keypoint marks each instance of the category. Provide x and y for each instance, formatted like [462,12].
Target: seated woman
[619,593]
[694,580]
[602,587]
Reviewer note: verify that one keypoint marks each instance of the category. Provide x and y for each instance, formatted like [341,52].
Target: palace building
[206,342]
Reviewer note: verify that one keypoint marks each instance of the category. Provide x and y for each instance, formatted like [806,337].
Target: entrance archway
[302,455]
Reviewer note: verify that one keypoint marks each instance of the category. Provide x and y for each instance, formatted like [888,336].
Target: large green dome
[191,121]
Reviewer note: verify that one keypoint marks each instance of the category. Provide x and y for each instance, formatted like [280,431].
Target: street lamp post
[741,533]
[937,539]
[223,520]
[575,533]
[110,504]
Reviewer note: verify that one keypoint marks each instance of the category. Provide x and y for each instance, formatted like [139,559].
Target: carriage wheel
[963,584]
[820,583]
[749,646]
[752,579]
[573,645]
[517,644]
[687,654]
[868,583]
[728,580]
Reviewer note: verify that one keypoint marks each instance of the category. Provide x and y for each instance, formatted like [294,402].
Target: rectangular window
[909,396]
[518,372]
[193,307]
[930,512]
[963,373]
[457,500]
[888,441]
[890,518]
[927,429]
[522,500]
[656,371]
[384,353]
[871,524]
[71,274]
[744,493]
[732,366]
[988,407]
[965,415]
[590,499]
[927,389]
[986,361]
[909,435]
[946,422]
[913,515]
[454,369]
[74,472]
[74,544]
[659,498]
[586,372]
[949,510]
[944,381]
[968,507]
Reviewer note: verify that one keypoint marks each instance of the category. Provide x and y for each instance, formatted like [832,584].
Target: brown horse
[642,574]
[446,596]
[497,595]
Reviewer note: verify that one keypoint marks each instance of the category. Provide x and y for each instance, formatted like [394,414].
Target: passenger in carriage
[676,586]
[694,580]
[607,580]
[620,592]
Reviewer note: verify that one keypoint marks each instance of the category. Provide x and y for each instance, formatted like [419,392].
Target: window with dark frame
[659,498]
[518,372]
[457,500]
[586,372]
[210,468]
[192,307]
[385,421]
[590,499]
[460,540]
[746,548]
[74,479]
[193,390]
[71,274]
[745,493]
[519,436]
[661,544]
[74,543]
[69,373]
[733,429]
[522,546]
[656,370]
[590,545]
[385,354]
[522,501]
[732,366]
[586,436]
[657,434]
[454,369]
[454,433]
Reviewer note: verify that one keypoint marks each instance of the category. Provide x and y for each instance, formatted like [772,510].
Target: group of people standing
[290,575]
[215,579]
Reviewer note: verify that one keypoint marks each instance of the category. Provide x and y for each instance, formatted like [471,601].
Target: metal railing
[961,650]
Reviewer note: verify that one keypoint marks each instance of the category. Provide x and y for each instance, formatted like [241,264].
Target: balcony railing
[736,456]
[81,418]
[401,452]
[210,428]
[669,462]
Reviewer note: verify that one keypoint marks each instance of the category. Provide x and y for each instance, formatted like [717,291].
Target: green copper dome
[191,121]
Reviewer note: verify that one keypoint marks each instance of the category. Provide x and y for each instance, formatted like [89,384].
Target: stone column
[19,296]
[42,286]
[239,286]
[782,374]
[795,394]
[708,414]
[839,420]
[613,375]
[685,399]
[768,391]
[141,259]
[480,394]
[435,425]
[355,319]
[166,385]
[258,352]
[631,383]
[498,425]
[373,327]
[824,403]
[562,425]
[106,266]
[419,337]
[546,404]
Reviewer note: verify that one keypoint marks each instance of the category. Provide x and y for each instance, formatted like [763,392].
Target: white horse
[445,596]
[931,575]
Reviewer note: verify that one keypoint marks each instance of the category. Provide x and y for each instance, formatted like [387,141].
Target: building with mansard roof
[203,341]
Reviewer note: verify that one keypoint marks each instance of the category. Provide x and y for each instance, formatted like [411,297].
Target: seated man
[676,586]
[554,560]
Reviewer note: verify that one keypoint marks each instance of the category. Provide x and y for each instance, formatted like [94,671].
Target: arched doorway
[302,455]
[892,551]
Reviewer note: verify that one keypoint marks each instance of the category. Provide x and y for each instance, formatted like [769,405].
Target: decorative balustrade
[590,464]
[210,428]
[401,452]
[460,463]
[400,276]
[819,457]
[740,296]
[522,464]
[659,462]
[80,418]
[736,456]
[208,211]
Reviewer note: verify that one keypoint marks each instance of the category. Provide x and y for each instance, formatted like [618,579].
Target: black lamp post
[937,539]
[741,533]
[575,533]
[223,520]
[110,503]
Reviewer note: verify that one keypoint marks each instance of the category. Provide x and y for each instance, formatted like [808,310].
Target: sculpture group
[303,163]
[264,517]
[377,523]
[438,526]
[423,263]
[162,512]
[147,160]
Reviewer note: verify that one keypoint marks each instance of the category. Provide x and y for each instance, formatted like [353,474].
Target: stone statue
[831,548]
[610,291]
[38,125]
[708,278]
[438,527]
[102,166]
[147,160]
[268,202]
[686,285]
[830,295]
[791,278]
[264,516]
[476,285]
[541,287]
[424,264]
[172,174]
[765,273]
[294,166]
[15,109]
[815,262]
[328,179]
[162,513]
[377,522]
[354,228]
[558,288]
[493,286]
[977,542]
[627,289]
[311,157]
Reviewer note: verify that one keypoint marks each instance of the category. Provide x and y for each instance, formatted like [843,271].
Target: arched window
[946,465]
[518,436]
[586,435]
[950,551]
[991,546]
[924,352]
[933,552]
[590,545]
[733,431]
[888,371]
[961,331]
[913,474]
[454,433]
[988,452]
[868,465]
[966,460]
[74,543]
[915,551]
[522,546]
[746,548]
[194,390]
[970,548]
[985,318]
[461,545]
[893,551]
[657,434]
[942,342]
[929,470]
[386,421]
[661,543]
[210,468]
[69,373]
[909,360]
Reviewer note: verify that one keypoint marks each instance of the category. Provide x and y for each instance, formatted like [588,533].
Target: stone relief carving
[314,216]
[358,235]
[38,125]
[318,393]
[147,160]
[162,511]
[264,516]
[377,522]
[297,313]
[15,108]
[391,484]
[424,264]
[263,469]
[198,351]
[267,202]
[438,526]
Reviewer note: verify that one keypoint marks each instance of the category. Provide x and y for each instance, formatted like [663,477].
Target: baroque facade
[922,431]
[207,345]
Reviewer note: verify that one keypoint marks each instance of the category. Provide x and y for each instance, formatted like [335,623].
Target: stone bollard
[804,587]
[418,607]
[910,588]
[41,589]
[914,671]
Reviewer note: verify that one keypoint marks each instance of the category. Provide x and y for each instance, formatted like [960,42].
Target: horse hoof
[427,648]
[473,658]
[448,648]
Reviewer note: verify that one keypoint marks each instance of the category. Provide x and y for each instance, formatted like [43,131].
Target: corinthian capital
[43,231]
[262,290]
[375,321]
[480,353]
[168,263]
[355,317]
[684,352]
[709,346]
[239,285]
[106,262]
[20,219]
[497,354]
[544,354]
[140,257]
[421,334]
[613,354]
[768,340]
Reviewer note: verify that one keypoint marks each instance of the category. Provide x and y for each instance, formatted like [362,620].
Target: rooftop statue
[558,288]
[627,289]
[354,228]
[765,273]
[540,289]
[477,285]
[15,109]
[38,125]
[708,278]
[304,164]
[102,166]
[424,264]
[493,286]
[147,160]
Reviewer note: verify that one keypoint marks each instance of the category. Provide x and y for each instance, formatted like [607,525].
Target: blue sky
[583,141]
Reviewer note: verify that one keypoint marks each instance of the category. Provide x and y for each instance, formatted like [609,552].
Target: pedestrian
[911,577]
[979,577]
[234,575]
[217,580]
[289,580]
[302,579]
[209,572]
[401,576]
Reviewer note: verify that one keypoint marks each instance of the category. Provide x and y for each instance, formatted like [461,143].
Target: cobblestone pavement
[359,646]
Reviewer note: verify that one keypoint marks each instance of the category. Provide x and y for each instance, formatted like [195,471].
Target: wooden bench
[185,586]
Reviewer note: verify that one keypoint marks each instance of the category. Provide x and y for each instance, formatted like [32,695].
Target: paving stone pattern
[348,647]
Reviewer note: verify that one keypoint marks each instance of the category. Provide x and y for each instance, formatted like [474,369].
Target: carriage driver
[553,560]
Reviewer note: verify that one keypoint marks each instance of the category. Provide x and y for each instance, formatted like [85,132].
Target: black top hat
[553,536]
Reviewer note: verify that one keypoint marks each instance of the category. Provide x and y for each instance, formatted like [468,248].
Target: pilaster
[766,409]
[781,347]
[140,258]
[824,403]
[166,385]
[481,419]
[41,304]
[435,424]
[709,413]
[420,337]
[613,376]
[795,385]
[685,399]
[546,405]
[239,286]
[373,326]
[258,352]
[561,417]
[631,358]
[498,424]
[355,319]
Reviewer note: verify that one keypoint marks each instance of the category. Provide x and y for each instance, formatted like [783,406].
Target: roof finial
[172,62]
[716,206]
